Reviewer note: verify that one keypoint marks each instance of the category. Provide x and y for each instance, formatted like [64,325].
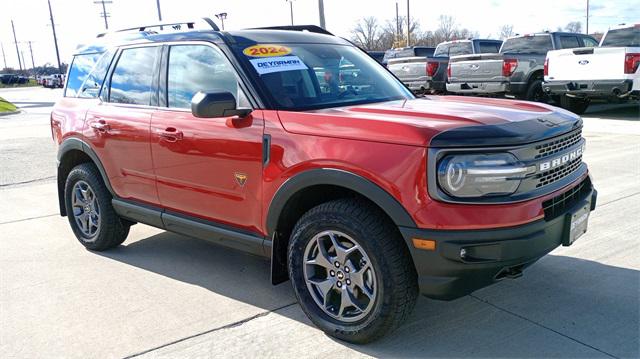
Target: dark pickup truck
[516,71]
[428,73]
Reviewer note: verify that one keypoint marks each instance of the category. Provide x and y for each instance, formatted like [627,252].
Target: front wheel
[351,271]
[574,104]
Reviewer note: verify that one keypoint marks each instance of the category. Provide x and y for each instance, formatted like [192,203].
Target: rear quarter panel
[68,118]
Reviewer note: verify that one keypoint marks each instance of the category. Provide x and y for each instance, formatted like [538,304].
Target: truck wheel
[91,215]
[574,104]
[351,272]
[536,93]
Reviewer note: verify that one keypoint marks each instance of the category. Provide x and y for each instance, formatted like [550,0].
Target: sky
[78,21]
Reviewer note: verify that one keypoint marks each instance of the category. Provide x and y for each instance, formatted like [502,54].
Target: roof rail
[174,25]
[309,28]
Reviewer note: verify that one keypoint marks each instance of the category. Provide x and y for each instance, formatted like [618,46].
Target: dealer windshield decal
[266,50]
[278,64]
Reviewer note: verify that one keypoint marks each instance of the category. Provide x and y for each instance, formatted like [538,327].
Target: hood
[438,121]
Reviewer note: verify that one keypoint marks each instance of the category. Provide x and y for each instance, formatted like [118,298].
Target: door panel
[210,168]
[120,137]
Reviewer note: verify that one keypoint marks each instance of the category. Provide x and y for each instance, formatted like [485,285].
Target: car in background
[377,55]
[53,81]
[428,72]
[11,79]
[516,71]
[609,72]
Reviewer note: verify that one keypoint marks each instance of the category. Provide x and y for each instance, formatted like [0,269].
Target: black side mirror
[216,104]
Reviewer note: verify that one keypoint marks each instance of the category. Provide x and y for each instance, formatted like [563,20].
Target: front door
[206,167]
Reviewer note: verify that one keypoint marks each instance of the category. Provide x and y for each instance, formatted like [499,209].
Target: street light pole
[4,57]
[408,26]
[587,17]
[321,11]
[16,42]
[222,16]
[55,38]
[397,26]
[291,9]
[159,13]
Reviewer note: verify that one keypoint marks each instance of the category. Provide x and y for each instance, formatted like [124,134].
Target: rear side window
[629,37]
[454,49]
[569,42]
[194,68]
[488,47]
[78,72]
[537,44]
[132,79]
[91,86]
[589,42]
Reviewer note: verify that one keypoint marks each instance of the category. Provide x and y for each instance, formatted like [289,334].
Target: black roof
[282,34]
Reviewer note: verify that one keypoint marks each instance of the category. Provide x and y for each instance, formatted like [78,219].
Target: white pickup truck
[610,71]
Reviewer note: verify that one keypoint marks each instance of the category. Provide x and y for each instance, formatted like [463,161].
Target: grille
[561,203]
[555,146]
[558,173]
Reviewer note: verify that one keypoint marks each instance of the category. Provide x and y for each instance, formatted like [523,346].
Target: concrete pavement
[165,295]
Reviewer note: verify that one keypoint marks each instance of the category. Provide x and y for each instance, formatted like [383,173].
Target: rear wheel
[536,93]
[91,215]
[351,271]
[574,104]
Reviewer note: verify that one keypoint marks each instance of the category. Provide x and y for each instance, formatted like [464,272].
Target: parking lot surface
[166,295]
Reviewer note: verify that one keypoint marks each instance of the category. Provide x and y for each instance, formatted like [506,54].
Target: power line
[105,14]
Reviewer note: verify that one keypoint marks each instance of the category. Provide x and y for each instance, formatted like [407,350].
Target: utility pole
[321,11]
[408,26]
[4,56]
[291,9]
[587,17]
[55,38]
[105,14]
[33,63]
[397,26]
[222,16]
[16,42]
[159,12]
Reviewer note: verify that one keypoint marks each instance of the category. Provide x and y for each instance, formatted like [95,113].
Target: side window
[569,42]
[194,68]
[131,81]
[589,42]
[80,68]
[92,84]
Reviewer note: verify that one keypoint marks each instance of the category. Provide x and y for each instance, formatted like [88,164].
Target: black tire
[574,104]
[396,279]
[112,230]
[536,93]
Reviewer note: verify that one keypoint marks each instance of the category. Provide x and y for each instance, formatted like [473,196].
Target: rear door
[118,127]
[206,167]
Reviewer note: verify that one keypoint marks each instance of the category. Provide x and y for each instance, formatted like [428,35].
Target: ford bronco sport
[360,193]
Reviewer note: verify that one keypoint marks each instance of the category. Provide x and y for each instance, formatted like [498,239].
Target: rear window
[629,37]
[537,44]
[454,49]
[569,42]
[78,72]
[489,47]
[424,51]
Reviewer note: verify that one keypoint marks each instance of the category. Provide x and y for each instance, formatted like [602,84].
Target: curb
[9,113]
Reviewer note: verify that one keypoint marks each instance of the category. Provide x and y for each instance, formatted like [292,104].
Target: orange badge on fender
[241,178]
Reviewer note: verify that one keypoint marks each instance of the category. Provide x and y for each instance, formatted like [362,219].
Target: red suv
[293,144]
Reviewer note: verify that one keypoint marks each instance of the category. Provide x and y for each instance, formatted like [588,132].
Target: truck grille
[558,173]
[557,145]
[561,203]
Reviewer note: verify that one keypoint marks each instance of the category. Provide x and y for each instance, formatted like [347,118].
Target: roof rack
[174,25]
[309,28]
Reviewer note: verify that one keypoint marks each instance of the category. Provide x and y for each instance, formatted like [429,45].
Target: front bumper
[491,255]
[478,87]
[590,89]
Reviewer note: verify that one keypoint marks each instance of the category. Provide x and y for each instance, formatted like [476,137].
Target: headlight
[481,175]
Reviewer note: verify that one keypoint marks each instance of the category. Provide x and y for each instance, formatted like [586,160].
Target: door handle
[100,125]
[170,134]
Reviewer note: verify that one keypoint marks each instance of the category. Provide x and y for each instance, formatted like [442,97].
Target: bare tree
[446,30]
[574,26]
[366,33]
[396,35]
[506,31]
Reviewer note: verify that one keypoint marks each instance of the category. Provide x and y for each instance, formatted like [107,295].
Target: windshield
[629,37]
[454,49]
[538,44]
[314,76]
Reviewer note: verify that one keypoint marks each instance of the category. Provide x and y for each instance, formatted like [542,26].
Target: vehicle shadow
[560,303]
[625,111]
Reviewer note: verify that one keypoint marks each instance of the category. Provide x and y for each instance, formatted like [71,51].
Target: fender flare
[340,178]
[71,144]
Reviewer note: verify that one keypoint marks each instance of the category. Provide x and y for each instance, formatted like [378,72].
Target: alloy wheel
[86,211]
